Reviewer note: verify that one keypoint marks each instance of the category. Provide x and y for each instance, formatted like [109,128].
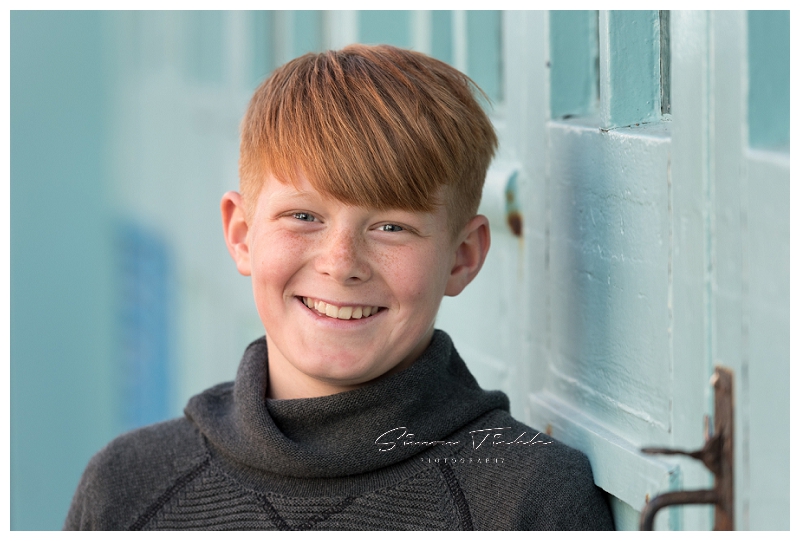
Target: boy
[361,172]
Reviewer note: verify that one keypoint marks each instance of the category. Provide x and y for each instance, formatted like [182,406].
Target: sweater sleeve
[567,498]
[541,486]
[96,505]
[127,477]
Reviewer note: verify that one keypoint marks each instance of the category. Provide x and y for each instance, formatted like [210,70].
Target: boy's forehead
[299,188]
[296,189]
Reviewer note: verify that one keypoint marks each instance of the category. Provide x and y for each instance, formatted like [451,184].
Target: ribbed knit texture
[240,461]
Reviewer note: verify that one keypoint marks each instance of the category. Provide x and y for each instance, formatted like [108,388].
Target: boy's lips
[339,312]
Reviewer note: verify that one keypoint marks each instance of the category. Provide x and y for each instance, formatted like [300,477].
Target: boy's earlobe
[470,255]
[235,228]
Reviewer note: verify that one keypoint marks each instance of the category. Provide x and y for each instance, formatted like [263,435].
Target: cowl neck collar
[335,435]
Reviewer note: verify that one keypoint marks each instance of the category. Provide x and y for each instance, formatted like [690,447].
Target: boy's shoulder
[132,472]
[516,477]
[507,476]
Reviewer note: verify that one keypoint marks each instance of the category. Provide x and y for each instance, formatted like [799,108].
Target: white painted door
[654,245]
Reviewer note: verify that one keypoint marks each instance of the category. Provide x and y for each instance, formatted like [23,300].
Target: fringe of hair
[372,126]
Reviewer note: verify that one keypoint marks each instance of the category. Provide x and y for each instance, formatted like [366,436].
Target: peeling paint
[513,213]
[514,220]
[598,396]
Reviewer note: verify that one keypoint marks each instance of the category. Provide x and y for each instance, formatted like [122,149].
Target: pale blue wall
[442,39]
[62,378]
[261,59]
[392,27]
[205,40]
[308,32]
[124,135]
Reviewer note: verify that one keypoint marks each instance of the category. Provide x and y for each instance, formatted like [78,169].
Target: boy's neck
[286,382]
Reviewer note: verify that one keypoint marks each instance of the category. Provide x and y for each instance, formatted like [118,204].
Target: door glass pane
[574,83]
[484,50]
[768,102]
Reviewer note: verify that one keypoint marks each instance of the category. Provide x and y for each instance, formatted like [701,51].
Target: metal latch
[716,454]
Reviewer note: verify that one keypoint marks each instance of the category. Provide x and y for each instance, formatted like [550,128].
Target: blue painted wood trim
[629,68]
[644,476]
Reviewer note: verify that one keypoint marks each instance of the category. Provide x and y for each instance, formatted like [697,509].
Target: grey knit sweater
[425,448]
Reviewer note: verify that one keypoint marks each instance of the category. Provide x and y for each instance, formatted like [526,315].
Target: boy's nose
[342,257]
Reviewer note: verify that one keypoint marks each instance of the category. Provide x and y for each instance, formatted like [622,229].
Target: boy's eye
[391,228]
[304,216]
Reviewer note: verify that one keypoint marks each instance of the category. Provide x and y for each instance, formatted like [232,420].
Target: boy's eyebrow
[294,194]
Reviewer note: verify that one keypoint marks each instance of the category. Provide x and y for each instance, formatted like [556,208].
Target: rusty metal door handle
[716,455]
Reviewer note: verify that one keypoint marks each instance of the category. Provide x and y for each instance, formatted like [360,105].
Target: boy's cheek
[276,254]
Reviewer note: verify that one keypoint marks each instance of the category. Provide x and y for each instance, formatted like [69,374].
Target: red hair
[372,126]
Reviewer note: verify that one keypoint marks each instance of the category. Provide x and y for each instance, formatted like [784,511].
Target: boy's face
[303,248]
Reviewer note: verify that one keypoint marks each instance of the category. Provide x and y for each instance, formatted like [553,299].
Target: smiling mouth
[340,312]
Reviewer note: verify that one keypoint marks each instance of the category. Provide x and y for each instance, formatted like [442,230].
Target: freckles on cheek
[279,254]
[423,276]
[385,259]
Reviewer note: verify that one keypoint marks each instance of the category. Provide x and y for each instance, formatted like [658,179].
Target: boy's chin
[348,375]
[328,366]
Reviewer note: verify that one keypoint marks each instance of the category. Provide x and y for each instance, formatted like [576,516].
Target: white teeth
[345,312]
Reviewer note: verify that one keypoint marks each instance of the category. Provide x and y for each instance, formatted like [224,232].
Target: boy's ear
[235,228]
[470,254]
